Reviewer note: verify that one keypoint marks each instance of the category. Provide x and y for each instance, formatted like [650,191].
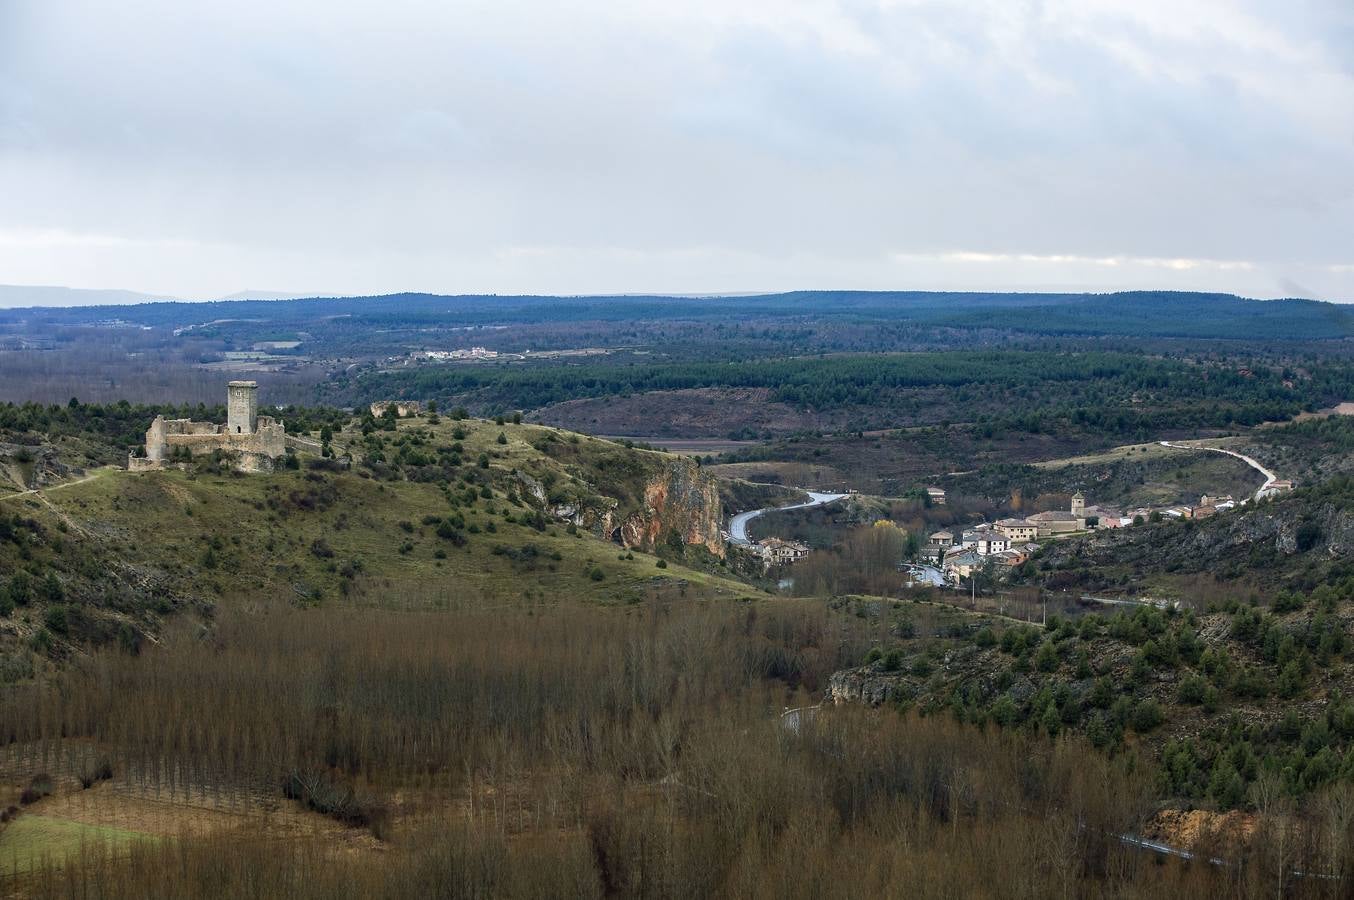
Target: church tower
[1079,505]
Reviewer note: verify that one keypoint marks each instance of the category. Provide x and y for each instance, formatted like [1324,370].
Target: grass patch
[31,838]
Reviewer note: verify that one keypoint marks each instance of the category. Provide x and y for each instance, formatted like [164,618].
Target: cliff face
[23,466]
[672,496]
[678,498]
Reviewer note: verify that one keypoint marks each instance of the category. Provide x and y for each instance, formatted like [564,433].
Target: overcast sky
[571,146]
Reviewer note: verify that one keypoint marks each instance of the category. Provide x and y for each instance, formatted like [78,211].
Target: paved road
[1270,477]
[738,525]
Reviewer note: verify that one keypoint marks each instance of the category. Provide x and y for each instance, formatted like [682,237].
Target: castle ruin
[255,441]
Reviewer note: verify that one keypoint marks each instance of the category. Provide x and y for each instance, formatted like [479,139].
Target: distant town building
[962,564]
[472,353]
[936,495]
[777,551]
[993,542]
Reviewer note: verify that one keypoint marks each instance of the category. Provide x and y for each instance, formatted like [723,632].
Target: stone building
[255,441]
[403,408]
[779,552]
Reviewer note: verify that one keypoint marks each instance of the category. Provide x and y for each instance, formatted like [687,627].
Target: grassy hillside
[113,557]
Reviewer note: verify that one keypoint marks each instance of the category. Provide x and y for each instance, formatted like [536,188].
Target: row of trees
[587,752]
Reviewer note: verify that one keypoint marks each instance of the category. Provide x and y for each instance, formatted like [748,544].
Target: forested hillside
[1030,391]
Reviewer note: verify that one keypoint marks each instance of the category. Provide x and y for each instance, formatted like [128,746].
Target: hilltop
[434,513]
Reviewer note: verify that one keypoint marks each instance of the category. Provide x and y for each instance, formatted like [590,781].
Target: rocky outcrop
[865,685]
[678,499]
[597,516]
[32,466]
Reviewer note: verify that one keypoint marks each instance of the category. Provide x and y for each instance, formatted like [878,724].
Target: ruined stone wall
[256,451]
[155,439]
[187,426]
[403,408]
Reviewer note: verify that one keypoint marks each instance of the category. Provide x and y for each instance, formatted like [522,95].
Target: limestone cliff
[680,498]
[638,505]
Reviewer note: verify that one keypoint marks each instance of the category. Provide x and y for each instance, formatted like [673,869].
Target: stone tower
[1078,505]
[242,407]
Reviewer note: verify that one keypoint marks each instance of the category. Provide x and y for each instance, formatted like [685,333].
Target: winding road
[738,525]
[1270,477]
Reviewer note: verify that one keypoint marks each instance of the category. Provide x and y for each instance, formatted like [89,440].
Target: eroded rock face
[864,685]
[599,518]
[679,498]
[24,467]
[676,497]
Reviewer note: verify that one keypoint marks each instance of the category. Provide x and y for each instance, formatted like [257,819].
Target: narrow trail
[97,473]
[41,495]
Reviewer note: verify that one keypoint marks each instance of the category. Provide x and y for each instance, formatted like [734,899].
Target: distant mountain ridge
[1164,314]
[14,296]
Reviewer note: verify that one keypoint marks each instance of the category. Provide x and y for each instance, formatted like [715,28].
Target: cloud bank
[588,146]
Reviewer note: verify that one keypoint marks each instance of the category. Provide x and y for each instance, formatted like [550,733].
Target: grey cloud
[596,146]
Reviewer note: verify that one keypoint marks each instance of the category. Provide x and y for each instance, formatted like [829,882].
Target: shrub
[38,787]
[21,588]
[57,620]
[596,574]
[326,795]
[449,532]
[1046,659]
[662,564]
[1192,689]
[52,589]
[1291,680]
[1146,716]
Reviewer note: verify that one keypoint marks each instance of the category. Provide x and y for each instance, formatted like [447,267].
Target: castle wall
[155,439]
[256,447]
[188,426]
[403,408]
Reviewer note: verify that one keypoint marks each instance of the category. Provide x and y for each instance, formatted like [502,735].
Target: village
[997,548]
